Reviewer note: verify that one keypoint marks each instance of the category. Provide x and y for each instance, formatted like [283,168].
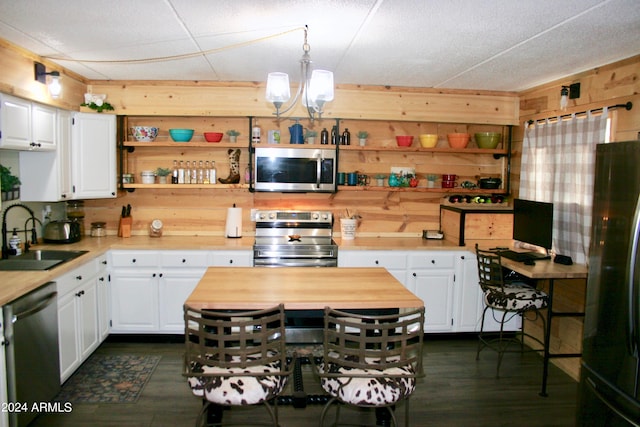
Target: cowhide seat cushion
[515,297]
[238,390]
[377,390]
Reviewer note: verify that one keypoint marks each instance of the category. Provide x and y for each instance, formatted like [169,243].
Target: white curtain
[558,164]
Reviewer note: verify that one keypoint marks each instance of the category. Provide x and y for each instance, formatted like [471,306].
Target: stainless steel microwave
[300,170]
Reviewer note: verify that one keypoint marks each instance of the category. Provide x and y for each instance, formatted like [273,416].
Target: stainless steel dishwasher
[31,349]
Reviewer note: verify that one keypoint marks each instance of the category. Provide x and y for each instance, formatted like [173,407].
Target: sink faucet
[34,237]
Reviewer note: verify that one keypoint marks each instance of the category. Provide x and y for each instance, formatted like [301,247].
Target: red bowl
[404,140]
[213,136]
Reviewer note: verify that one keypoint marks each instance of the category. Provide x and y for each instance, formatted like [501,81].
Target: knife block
[124,229]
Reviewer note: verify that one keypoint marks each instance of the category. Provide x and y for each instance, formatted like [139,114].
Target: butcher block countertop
[14,284]
[248,288]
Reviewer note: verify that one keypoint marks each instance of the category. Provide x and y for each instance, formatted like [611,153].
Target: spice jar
[155,228]
[98,229]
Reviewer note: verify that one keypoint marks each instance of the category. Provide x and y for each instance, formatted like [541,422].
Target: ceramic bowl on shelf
[488,139]
[213,136]
[144,133]
[404,140]
[428,140]
[181,135]
[458,140]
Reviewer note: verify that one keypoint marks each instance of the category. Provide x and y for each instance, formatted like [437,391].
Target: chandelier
[315,87]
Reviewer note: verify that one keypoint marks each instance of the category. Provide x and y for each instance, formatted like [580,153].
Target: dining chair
[509,299]
[370,361]
[236,358]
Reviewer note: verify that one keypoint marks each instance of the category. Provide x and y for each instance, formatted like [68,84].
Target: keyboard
[522,256]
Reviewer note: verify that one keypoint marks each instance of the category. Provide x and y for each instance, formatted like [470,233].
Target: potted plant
[362,137]
[10,185]
[162,174]
[310,136]
[233,135]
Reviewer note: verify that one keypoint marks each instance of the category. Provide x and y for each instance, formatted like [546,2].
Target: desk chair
[236,358]
[510,298]
[370,361]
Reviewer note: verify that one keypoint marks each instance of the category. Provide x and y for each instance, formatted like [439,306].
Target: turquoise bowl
[181,135]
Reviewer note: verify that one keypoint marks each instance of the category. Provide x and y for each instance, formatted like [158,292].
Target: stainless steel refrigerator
[610,375]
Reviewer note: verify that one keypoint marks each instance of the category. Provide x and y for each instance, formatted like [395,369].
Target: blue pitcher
[296,134]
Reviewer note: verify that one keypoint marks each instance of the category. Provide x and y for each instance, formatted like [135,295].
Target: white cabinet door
[44,127]
[68,335]
[469,301]
[93,151]
[175,286]
[435,289]
[15,123]
[88,317]
[46,176]
[134,301]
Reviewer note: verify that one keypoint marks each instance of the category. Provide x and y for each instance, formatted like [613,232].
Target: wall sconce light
[55,88]
[315,87]
[564,97]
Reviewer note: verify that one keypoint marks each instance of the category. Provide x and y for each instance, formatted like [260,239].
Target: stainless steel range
[294,239]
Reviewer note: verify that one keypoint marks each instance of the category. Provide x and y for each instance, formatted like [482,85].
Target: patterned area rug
[109,379]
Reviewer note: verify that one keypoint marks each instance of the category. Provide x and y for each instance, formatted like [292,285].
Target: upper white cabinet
[93,155]
[82,167]
[26,125]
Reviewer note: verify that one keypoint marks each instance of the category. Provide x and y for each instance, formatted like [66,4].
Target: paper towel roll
[234,222]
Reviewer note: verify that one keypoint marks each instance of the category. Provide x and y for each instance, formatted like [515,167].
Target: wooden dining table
[300,288]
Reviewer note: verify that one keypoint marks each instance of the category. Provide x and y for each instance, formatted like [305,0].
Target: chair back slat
[380,342]
[228,339]
[490,272]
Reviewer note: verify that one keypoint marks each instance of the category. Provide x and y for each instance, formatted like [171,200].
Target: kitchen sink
[39,260]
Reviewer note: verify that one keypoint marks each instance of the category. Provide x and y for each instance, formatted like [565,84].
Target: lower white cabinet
[104,298]
[78,313]
[431,277]
[149,288]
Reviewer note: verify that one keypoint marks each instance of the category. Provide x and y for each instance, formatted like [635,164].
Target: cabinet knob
[101,279]
[78,277]
[184,260]
[133,260]
[433,261]
[104,262]
[153,275]
[230,261]
[461,256]
[414,274]
[377,262]
[160,275]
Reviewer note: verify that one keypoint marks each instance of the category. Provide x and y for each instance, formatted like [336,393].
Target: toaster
[63,231]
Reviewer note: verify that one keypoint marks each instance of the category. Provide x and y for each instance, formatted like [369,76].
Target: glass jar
[98,229]
[155,228]
[75,213]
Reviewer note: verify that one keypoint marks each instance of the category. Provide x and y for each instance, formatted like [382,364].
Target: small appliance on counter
[62,231]
[233,227]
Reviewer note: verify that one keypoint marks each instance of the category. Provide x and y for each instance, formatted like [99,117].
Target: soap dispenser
[15,242]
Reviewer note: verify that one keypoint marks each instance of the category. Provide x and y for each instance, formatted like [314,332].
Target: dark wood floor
[457,391]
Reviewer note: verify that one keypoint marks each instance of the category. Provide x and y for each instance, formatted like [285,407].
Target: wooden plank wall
[604,86]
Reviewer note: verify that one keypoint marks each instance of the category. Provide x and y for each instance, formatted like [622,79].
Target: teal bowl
[181,135]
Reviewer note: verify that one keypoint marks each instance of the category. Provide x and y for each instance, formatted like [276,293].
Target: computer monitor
[533,222]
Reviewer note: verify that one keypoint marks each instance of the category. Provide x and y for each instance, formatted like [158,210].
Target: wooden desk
[548,270]
[300,288]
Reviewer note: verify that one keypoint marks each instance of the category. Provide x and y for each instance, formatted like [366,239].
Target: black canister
[334,135]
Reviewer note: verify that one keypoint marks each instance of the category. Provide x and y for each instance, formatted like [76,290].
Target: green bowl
[488,139]
[181,135]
